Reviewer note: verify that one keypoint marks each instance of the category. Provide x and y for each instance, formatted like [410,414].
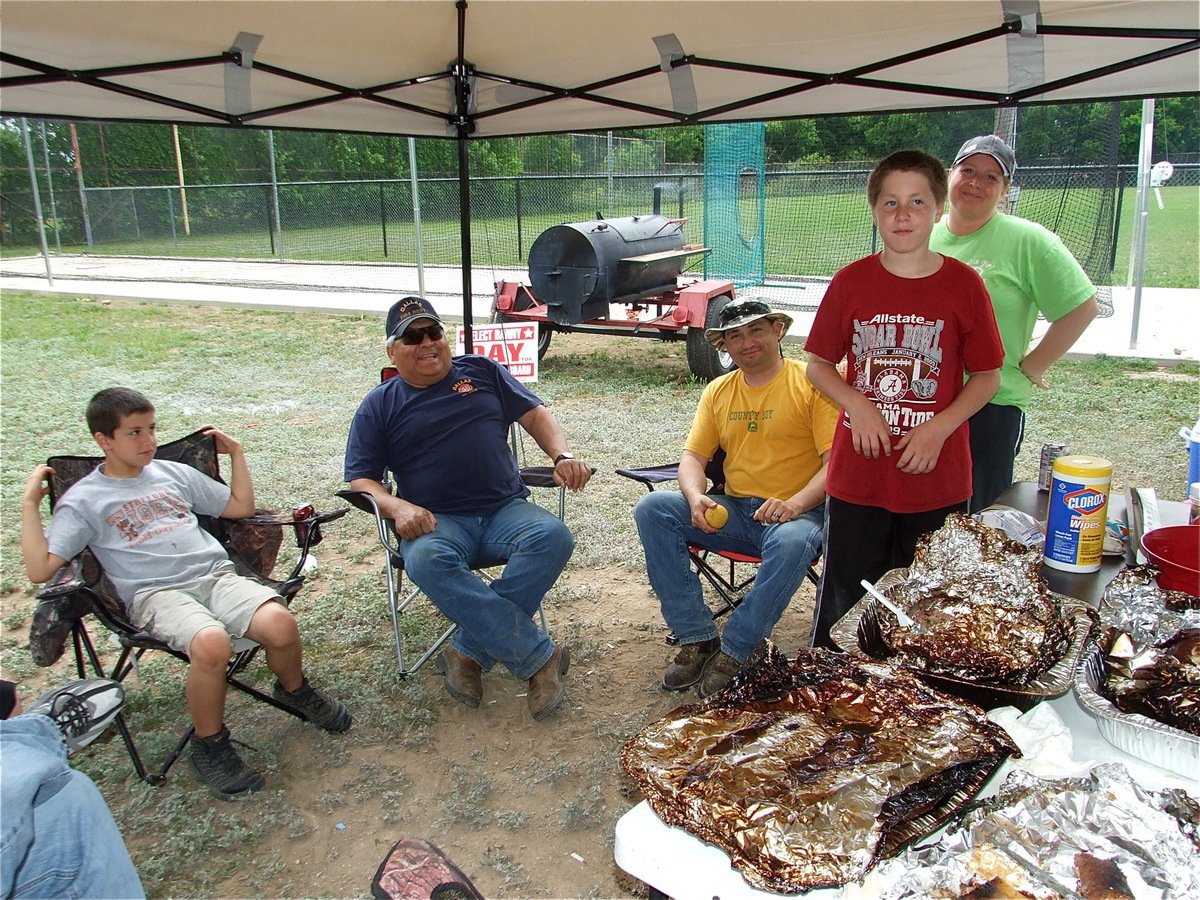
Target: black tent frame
[463,77]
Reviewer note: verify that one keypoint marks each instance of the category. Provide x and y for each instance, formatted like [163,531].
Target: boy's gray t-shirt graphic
[142,530]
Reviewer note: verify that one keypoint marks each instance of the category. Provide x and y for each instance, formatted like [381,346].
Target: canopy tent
[491,68]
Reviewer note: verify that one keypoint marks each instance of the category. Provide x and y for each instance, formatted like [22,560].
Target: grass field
[807,235]
[286,384]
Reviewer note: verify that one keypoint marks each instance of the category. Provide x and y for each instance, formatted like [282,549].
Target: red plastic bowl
[1176,552]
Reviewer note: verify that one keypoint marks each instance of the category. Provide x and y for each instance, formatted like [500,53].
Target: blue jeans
[495,620]
[664,523]
[59,839]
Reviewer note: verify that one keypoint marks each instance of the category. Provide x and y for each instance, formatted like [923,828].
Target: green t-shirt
[1027,270]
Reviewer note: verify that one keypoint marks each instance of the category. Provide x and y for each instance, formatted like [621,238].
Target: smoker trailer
[578,271]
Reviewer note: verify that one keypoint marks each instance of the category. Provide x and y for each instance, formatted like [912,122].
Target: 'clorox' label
[1075,521]
[1089,500]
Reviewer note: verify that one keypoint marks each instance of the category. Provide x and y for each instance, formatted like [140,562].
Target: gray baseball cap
[992,146]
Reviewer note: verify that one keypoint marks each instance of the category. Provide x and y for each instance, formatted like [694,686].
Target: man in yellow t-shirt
[775,431]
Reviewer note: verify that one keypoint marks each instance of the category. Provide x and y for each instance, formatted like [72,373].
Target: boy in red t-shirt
[910,323]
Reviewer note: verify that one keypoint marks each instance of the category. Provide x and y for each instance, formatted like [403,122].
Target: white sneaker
[81,709]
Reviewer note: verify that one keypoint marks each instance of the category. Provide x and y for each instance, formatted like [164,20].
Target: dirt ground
[526,809]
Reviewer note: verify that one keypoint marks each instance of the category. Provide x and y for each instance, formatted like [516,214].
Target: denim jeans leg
[493,625]
[59,838]
[537,545]
[663,521]
[786,549]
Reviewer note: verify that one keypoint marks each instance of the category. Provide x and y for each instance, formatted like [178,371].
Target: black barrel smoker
[578,269]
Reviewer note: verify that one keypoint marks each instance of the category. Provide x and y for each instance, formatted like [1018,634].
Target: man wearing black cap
[1027,270]
[776,431]
[441,430]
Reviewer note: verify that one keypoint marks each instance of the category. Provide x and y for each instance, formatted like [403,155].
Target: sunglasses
[746,308]
[414,336]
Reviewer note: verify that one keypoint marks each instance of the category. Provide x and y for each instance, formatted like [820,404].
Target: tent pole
[50,189]
[275,217]
[37,200]
[464,126]
[1137,265]
[416,208]
[464,206]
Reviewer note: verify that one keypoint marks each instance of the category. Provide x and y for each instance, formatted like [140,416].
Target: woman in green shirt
[1027,270]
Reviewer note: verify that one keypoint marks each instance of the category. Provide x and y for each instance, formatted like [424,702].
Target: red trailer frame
[681,314]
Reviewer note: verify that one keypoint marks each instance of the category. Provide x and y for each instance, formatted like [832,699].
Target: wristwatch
[563,456]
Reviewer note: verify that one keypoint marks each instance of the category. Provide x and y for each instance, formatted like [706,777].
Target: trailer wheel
[704,360]
[544,331]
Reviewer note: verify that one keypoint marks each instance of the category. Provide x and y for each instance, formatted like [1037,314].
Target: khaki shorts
[178,613]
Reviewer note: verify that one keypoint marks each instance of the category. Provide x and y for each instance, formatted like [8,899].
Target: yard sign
[511,344]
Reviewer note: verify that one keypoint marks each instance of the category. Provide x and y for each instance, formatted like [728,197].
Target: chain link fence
[375,220]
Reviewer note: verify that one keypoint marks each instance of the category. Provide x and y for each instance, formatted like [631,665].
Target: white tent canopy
[388,67]
[440,68]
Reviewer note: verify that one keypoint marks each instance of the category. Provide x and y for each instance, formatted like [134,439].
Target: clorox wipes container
[1076,513]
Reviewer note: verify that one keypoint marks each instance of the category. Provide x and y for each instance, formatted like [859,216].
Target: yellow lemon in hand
[716,516]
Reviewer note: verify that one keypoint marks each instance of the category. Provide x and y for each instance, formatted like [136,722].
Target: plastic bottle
[1192,436]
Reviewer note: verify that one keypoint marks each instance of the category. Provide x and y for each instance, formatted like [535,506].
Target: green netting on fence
[735,198]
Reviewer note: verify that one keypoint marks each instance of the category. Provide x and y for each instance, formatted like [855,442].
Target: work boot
[546,689]
[690,663]
[323,711]
[219,766]
[81,709]
[718,674]
[464,676]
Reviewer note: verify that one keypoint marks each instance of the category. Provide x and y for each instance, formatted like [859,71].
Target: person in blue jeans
[776,431]
[58,837]
[441,429]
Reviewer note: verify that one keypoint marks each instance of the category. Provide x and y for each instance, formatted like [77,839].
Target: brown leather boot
[718,674]
[690,663]
[545,687]
[464,676]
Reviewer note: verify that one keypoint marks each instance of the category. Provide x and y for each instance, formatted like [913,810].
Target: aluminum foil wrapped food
[1151,650]
[982,610]
[1134,603]
[1102,836]
[807,772]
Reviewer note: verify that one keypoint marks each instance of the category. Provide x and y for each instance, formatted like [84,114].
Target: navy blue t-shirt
[446,445]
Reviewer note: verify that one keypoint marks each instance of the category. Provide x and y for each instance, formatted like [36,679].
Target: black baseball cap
[404,312]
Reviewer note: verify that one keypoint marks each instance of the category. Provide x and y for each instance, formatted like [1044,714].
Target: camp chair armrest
[651,475]
[66,599]
[269,519]
[68,579]
[360,500]
[388,538]
[542,476]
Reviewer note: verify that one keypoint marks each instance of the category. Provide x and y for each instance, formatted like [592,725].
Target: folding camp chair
[732,586]
[81,587]
[399,597]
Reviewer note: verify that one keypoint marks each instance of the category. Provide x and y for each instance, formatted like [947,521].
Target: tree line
[124,154]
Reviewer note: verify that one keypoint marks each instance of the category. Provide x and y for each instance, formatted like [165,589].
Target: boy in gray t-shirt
[138,516]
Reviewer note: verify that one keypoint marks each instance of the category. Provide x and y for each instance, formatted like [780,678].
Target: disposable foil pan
[858,632]
[1155,742]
